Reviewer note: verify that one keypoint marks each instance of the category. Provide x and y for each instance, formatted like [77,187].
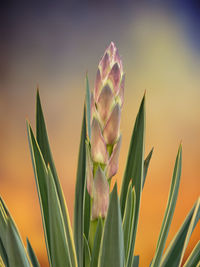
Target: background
[53,44]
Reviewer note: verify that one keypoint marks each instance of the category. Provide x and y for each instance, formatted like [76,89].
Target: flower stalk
[104,146]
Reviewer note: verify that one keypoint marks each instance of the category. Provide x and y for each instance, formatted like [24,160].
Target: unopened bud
[101,195]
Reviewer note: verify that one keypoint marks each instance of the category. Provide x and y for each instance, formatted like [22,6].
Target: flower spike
[106,103]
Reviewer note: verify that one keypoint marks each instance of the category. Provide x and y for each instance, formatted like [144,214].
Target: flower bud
[101,195]
[112,166]
[98,145]
[111,130]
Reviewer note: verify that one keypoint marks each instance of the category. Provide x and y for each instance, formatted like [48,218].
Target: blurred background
[52,44]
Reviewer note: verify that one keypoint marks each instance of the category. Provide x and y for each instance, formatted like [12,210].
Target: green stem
[92,232]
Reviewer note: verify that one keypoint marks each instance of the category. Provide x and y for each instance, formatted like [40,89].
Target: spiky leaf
[32,255]
[112,246]
[130,255]
[14,247]
[136,261]
[59,249]
[2,262]
[87,254]
[43,142]
[3,254]
[42,182]
[146,165]
[88,107]
[194,258]
[176,248]
[40,171]
[128,221]
[169,210]
[134,167]
[79,195]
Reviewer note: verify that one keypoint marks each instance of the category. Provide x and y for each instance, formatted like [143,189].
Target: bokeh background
[52,44]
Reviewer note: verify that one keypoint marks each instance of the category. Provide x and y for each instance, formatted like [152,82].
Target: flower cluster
[104,147]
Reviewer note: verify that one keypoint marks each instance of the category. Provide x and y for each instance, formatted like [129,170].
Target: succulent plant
[105,224]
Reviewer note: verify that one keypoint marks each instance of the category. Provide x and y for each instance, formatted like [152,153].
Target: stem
[92,232]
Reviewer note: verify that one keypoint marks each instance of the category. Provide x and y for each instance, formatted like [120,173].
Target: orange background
[54,47]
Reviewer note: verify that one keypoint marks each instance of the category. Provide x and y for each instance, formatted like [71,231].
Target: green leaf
[97,242]
[146,166]
[40,171]
[128,221]
[59,249]
[42,182]
[194,258]
[86,197]
[136,261]
[177,247]
[130,255]
[169,210]
[88,107]
[134,167]
[112,245]
[86,211]
[79,195]
[86,252]
[43,142]
[12,250]
[1,262]
[3,254]
[14,247]
[3,226]
[32,255]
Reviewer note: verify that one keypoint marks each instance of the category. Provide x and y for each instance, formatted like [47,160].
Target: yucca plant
[105,224]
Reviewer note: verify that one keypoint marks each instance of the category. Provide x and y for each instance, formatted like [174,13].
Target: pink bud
[104,65]
[111,130]
[112,167]
[93,108]
[101,195]
[120,95]
[98,84]
[98,145]
[111,50]
[118,60]
[89,171]
[115,77]
[105,102]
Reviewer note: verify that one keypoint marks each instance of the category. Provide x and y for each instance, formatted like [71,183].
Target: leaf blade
[134,167]
[136,261]
[32,255]
[194,258]
[112,245]
[177,246]
[43,142]
[79,195]
[146,166]
[88,107]
[12,248]
[40,172]
[87,254]
[173,194]
[59,249]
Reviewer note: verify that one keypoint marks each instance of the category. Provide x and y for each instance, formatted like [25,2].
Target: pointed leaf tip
[112,245]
